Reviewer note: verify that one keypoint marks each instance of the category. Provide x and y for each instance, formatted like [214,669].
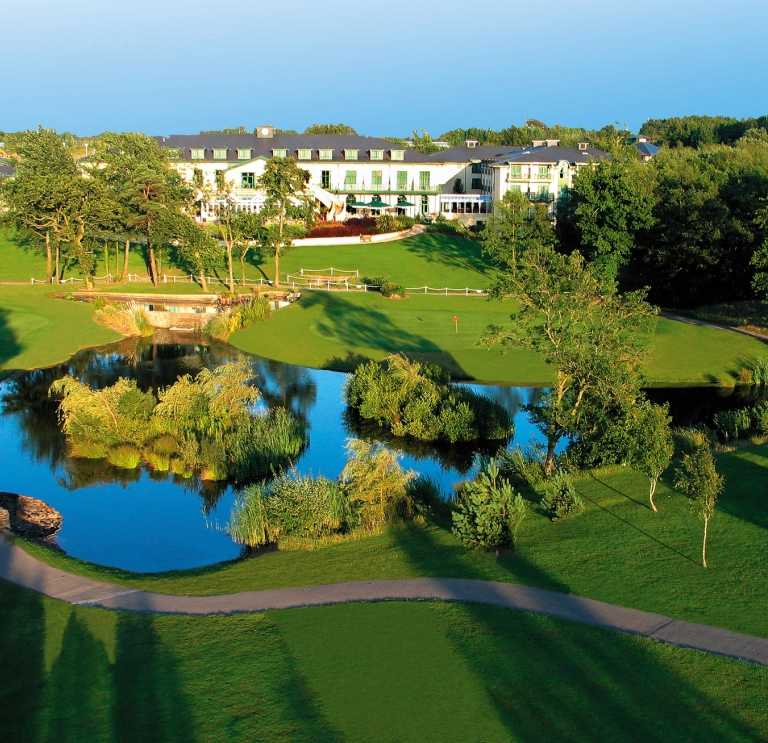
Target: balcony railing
[540,197]
[393,188]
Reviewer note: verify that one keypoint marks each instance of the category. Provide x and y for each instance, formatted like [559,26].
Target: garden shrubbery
[355,226]
[202,425]
[416,399]
[124,317]
[560,500]
[246,310]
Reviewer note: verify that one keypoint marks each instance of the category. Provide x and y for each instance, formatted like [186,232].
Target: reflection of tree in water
[286,386]
[459,457]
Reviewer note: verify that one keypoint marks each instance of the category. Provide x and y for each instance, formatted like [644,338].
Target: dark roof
[6,170]
[646,149]
[263,146]
[551,155]
[465,154]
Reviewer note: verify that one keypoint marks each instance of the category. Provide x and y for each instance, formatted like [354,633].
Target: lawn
[37,331]
[335,330]
[618,551]
[359,672]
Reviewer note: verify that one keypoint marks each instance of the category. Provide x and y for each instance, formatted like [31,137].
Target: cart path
[22,569]
[706,324]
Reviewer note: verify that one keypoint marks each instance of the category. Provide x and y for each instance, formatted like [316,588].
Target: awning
[403,204]
[358,205]
[378,205]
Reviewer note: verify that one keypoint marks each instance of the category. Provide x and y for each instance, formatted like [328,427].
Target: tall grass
[127,318]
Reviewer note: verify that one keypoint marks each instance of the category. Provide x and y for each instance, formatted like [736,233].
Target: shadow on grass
[557,680]
[746,485]
[448,250]
[10,347]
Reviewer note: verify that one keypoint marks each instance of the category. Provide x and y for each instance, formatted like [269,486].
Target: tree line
[128,193]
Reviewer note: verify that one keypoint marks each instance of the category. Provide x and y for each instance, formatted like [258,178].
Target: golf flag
[456,323]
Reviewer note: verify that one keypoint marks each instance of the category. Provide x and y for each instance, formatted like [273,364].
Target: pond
[144,520]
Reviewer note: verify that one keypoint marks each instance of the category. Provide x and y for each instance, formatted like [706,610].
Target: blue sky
[173,66]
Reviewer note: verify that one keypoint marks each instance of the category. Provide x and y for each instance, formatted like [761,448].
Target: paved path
[707,324]
[19,567]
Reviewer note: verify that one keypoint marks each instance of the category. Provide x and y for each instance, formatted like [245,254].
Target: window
[198,153]
[377,154]
[423,179]
[543,193]
[325,178]
[424,204]
[543,171]
[351,178]
[244,154]
[220,153]
[376,178]
[279,153]
[220,179]
[516,187]
[305,154]
[402,179]
[326,154]
[397,154]
[197,178]
[477,168]
[477,183]
[351,154]
[247,180]
[515,171]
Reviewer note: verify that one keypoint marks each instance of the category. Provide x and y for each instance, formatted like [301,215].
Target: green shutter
[376,178]
[515,171]
[424,179]
[351,178]
[543,171]
[402,178]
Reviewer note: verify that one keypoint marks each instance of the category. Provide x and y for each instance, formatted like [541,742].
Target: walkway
[20,568]
[706,324]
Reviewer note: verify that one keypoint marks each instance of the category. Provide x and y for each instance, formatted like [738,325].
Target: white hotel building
[354,174]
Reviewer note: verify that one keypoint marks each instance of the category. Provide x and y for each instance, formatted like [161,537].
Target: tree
[198,249]
[651,443]
[329,129]
[578,324]
[148,192]
[287,210]
[488,513]
[608,205]
[423,143]
[699,479]
[513,229]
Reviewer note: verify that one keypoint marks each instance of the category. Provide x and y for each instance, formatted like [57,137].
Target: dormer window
[351,154]
[397,154]
[220,153]
[305,154]
[198,153]
[326,154]
[377,154]
[279,153]
[244,154]
[583,145]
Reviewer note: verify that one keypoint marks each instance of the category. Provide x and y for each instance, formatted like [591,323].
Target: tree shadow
[448,250]
[10,347]
[746,486]
[554,679]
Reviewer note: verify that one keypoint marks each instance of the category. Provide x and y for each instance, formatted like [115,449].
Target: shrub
[522,466]
[386,223]
[732,424]
[375,280]
[392,291]
[157,460]
[241,314]
[127,318]
[254,309]
[688,440]
[488,513]
[414,399]
[374,482]
[760,418]
[560,500]
[350,228]
[424,497]
[124,456]
[248,523]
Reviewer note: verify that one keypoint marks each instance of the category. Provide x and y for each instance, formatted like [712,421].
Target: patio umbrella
[403,204]
[359,205]
[378,204]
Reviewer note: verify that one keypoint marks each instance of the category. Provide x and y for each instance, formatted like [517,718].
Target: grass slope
[353,673]
[618,551]
[37,331]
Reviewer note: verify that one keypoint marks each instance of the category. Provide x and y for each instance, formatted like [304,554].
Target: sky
[383,67]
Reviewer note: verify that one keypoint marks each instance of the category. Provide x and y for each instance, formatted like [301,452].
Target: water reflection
[147,520]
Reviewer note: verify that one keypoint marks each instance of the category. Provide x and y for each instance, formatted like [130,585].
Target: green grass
[359,672]
[618,551]
[37,331]
[336,330]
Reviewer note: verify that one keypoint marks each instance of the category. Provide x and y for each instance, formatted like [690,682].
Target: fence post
[165,279]
[129,277]
[425,290]
[446,291]
[466,291]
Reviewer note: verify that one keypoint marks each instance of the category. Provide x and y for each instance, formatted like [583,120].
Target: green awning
[358,205]
[378,205]
[403,204]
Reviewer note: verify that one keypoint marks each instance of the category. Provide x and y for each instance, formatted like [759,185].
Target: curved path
[21,568]
[706,324]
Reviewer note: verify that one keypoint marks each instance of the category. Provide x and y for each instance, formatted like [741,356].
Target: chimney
[265,132]
[538,142]
[583,145]
[553,142]
[471,143]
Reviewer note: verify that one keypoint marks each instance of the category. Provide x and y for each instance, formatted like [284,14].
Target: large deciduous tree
[287,210]
[147,192]
[573,317]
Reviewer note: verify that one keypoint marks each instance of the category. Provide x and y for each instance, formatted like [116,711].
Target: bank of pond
[150,445]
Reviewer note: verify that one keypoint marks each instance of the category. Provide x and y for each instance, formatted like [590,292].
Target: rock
[5,519]
[30,518]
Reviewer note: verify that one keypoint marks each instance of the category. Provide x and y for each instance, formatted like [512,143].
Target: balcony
[385,188]
[541,198]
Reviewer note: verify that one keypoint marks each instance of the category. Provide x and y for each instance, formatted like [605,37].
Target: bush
[254,309]
[560,499]
[522,466]
[488,512]
[350,228]
[760,418]
[392,291]
[688,440]
[448,226]
[732,424]
[246,311]
[424,497]
[126,318]
[414,399]
[375,280]
[124,456]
